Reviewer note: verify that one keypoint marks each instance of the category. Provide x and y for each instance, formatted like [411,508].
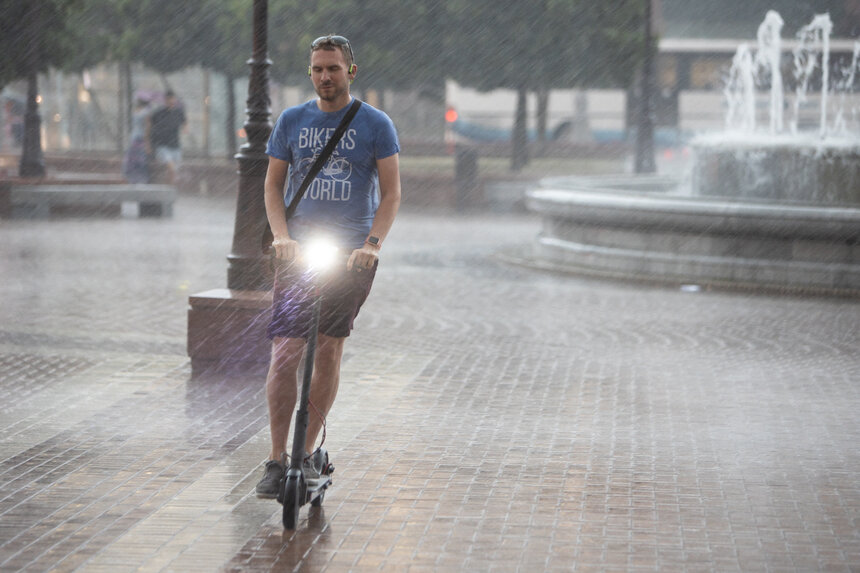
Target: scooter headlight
[320,254]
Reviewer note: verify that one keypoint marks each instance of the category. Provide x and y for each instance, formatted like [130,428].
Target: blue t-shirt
[342,200]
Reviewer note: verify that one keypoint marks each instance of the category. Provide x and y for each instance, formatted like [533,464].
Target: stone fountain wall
[641,228]
[789,172]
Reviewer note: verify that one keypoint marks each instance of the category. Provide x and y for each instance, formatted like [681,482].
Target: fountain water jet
[764,208]
[745,163]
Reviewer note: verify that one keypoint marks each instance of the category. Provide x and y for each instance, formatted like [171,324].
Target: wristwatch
[372,241]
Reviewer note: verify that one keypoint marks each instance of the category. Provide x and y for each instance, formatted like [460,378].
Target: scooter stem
[301,429]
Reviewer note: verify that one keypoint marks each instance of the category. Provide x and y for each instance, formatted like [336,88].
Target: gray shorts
[343,294]
[168,155]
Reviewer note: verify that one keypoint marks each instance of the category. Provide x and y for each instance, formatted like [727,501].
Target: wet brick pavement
[491,418]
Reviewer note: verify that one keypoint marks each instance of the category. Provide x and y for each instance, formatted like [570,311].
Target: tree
[535,45]
[397,44]
[101,30]
[543,44]
[166,36]
[34,35]
[226,50]
[741,18]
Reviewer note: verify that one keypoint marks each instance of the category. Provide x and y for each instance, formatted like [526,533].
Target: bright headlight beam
[320,254]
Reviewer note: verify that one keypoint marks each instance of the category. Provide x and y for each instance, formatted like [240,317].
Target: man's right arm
[276,178]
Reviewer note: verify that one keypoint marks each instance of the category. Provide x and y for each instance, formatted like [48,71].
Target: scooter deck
[318,486]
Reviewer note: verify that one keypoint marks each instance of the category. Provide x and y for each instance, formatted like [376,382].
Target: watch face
[373,240]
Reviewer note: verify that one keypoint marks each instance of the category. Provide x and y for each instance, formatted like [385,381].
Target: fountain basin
[790,169]
[644,227]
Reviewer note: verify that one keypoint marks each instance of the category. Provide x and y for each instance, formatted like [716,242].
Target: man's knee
[328,354]
[330,346]
[287,352]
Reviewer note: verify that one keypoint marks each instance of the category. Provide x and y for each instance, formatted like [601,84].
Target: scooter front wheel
[291,503]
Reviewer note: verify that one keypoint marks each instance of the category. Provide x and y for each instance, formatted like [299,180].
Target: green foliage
[398,43]
[171,35]
[741,18]
[34,35]
[165,35]
[546,43]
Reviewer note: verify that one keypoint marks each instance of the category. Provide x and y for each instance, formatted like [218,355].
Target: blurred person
[14,122]
[163,130]
[135,165]
[354,199]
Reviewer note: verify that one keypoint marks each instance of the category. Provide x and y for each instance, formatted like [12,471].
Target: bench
[36,200]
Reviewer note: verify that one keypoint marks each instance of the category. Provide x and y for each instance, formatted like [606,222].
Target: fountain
[765,206]
[821,166]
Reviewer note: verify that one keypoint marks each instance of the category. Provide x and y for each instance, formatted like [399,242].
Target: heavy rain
[614,251]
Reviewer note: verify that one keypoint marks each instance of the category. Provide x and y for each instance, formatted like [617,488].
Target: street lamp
[227,327]
[246,268]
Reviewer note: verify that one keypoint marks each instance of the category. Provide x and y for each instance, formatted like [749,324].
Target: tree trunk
[581,131]
[231,116]
[32,160]
[129,94]
[519,137]
[206,110]
[542,118]
[103,122]
[645,161]
[124,105]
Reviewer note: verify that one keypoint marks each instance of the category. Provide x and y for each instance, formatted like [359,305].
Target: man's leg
[281,398]
[281,391]
[172,165]
[324,384]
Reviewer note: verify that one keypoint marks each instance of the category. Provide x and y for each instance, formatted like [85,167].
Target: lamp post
[246,261]
[227,327]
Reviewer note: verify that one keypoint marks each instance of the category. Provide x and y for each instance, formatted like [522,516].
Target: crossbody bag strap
[323,157]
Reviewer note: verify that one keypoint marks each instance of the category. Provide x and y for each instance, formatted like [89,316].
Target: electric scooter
[296,491]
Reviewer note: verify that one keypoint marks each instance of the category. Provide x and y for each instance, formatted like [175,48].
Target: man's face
[329,74]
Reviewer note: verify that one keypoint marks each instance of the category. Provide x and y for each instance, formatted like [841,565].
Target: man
[354,200]
[163,135]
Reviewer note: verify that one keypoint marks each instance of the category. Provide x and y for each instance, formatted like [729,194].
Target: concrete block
[227,329]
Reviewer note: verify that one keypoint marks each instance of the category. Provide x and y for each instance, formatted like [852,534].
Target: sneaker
[311,472]
[271,482]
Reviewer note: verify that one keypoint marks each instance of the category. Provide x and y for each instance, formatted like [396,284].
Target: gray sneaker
[311,472]
[271,482]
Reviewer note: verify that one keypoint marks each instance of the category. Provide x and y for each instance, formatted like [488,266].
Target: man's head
[332,68]
[170,98]
[338,43]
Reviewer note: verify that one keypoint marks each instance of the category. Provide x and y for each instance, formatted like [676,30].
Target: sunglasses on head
[333,40]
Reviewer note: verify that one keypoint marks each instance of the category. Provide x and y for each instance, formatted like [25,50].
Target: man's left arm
[389,202]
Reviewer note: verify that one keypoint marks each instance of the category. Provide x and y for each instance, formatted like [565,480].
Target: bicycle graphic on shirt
[337,168]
